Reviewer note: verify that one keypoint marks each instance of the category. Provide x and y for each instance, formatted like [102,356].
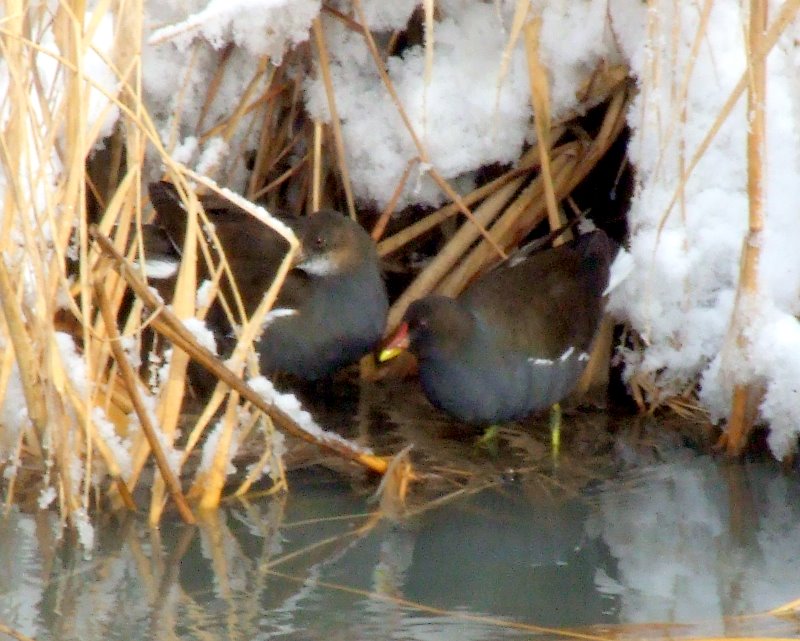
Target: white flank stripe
[159,269]
[566,354]
[621,268]
[277,313]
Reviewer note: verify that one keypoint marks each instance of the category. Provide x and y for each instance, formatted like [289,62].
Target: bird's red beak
[396,344]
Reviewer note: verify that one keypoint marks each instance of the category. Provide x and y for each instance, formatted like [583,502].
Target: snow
[459,117]
[260,27]
[46,496]
[210,447]
[13,417]
[681,294]
[289,404]
[677,286]
[201,333]
[120,447]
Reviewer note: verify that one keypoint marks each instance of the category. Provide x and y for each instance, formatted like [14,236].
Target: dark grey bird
[517,339]
[332,307]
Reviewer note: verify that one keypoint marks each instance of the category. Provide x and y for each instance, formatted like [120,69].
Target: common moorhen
[332,307]
[516,340]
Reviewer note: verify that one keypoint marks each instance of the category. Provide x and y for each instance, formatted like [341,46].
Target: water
[686,542]
[663,536]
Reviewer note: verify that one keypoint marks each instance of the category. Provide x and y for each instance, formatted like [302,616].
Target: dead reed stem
[324,64]
[745,396]
[786,14]
[168,324]
[540,100]
[525,212]
[386,214]
[450,270]
[415,230]
[131,382]
[444,260]
[23,348]
[605,82]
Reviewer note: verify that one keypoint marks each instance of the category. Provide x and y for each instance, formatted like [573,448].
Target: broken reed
[45,218]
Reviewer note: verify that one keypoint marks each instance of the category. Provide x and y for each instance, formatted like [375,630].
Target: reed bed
[91,425]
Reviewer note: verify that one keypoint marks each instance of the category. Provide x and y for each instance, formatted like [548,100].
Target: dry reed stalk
[14,634]
[790,608]
[429,12]
[521,10]
[173,329]
[120,209]
[316,167]
[395,485]
[169,409]
[209,487]
[597,368]
[119,239]
[256,469]
[746,397]
[26,359]
[13,144]
[108,456]
[212,91]
[786,15]
[526,211]
[209,483]
[540,100]
[48,203]
[417,229]
[325,68]
[132,382]
[444,260]
[249,331]
[571,163]
[686,406]
[683,91]
[272,137]
[233,124]
[603,83]
[386,214]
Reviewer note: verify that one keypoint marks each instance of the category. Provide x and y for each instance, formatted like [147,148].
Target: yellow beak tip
[389,353]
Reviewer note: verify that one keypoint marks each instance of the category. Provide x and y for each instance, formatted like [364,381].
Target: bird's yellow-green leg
[555,429]
[489,439]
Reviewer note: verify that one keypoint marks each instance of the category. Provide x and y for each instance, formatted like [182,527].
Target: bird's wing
[254,250]
[552,300]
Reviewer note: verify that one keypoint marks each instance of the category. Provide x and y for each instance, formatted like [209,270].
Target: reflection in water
[699,541]
[687,542]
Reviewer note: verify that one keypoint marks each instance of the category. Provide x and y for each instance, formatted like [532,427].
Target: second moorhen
[332,307]
[517,339]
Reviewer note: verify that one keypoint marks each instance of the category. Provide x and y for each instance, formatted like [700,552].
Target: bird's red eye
[319,242]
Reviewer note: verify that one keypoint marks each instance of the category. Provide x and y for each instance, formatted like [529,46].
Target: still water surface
[685,541]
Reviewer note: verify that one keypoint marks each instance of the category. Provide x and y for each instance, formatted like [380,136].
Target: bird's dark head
[332,244]
[431,325]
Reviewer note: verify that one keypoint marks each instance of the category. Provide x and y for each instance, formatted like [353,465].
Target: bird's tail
[597,251]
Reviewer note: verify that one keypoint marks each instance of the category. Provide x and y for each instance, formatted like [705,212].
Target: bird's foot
[555,431]
[489,440]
